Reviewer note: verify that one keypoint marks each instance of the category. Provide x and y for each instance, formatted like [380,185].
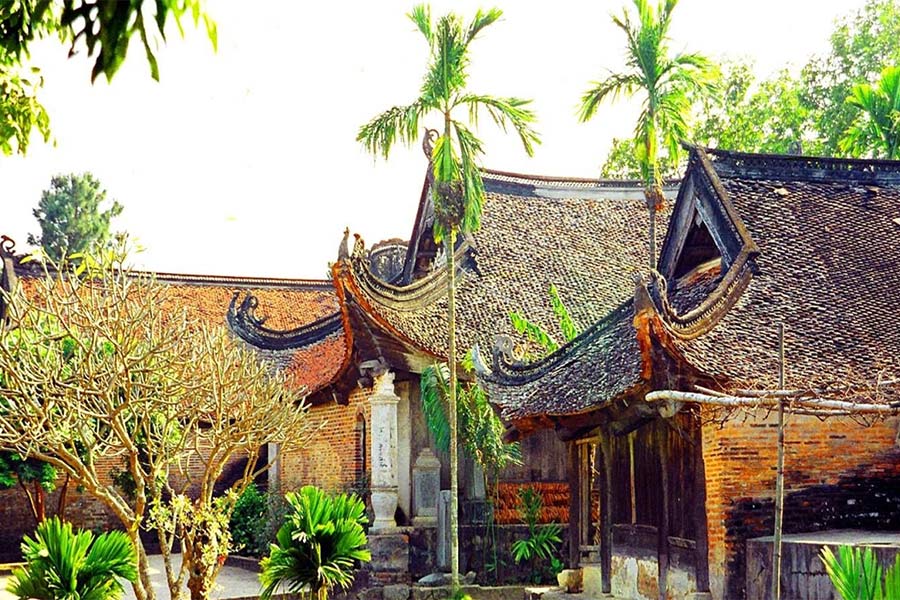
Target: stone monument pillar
[384,452]
[426,487]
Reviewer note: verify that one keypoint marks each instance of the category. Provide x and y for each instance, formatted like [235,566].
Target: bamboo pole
[779,476]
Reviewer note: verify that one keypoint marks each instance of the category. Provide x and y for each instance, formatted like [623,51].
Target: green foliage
[542,540]
[247,520]
[480,428]
[666,84]
[876,130]
[862,44]
[456,150]
[65,565]
[536,334]
[750,116]
[622,162]
[71,216]
[319,545]
[856,574]
[105,29]
[15,470]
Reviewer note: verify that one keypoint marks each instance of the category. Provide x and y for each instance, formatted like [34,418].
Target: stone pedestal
[426,487]
[390,557]
[384,453]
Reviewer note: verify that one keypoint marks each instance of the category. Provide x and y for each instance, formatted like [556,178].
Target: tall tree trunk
[454,456]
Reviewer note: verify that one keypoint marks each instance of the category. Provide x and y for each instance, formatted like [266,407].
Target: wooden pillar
[573,469]
[662,441]
[606,500]
[698,499]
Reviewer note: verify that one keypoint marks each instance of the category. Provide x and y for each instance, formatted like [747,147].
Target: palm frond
[421,16]
[470,149]
[481,20]
[400,123]
[617,84]
[505,112]
[434,390]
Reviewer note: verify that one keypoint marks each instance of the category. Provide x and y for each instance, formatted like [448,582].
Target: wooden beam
[662,441]
[701,559]
[606,500]
[573,467]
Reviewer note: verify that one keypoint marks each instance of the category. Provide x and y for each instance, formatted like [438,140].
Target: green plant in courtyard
[454,170]
[319,545]
[62,564]
[247,519]
[541,542]
[856,574]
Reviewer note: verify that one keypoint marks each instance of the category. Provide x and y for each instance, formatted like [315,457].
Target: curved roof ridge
[508,372]
[246,325]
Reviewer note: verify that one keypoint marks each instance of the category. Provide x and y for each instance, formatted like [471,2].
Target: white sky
[244,162]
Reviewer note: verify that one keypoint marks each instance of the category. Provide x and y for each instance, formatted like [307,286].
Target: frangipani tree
[454,171]
[665,84]
[97,366]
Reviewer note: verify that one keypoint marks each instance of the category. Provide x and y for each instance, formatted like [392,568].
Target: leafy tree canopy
[71,215]
[104,27]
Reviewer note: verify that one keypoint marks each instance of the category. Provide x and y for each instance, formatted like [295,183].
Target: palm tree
[319,545]
[454,172]
[877,128]
[63,564]
[665,83]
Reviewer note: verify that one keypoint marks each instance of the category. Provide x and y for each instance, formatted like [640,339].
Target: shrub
[62,564]
[319,545]
[856,574]
[248,521]
[541,541]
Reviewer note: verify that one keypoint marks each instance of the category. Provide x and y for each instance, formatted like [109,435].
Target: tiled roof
[602,363]
[284,304]
[587,238]
[818,250]
[828,233]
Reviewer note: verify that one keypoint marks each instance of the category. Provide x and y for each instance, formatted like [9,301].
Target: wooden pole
[573,469]
[779,476]
[606,500]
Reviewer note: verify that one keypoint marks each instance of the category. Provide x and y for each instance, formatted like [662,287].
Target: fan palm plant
[877,128]
[62,564]
[318,546]
[454,171]
[857,575]
[665,82]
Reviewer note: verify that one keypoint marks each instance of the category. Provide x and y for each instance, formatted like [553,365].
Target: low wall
[803,574]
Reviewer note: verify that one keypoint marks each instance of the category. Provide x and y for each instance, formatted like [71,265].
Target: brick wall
[333,457]
[82,509]
[838,474]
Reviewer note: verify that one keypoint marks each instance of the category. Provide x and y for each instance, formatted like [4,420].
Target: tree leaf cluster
[104,27]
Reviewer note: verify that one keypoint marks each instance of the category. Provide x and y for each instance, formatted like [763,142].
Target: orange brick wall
[838,474]
[331,457]
[82,509]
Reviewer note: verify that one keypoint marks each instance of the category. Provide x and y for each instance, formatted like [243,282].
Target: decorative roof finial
[431,135]
[343,249]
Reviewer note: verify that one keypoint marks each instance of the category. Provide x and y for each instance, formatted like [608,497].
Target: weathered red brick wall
[83,509]
[838,474]
[333,457]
